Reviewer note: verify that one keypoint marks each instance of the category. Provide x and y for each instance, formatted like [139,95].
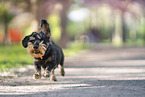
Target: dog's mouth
[36,51]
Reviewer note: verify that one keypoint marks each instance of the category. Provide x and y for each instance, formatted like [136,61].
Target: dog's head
[36,44]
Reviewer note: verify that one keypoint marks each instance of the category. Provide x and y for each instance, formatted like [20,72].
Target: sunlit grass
[138,42]
[14,57]
[74,48]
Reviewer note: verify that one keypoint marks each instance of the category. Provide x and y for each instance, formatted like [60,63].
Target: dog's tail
[44,25]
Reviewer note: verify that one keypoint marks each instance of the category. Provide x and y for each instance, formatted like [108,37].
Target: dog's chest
[42,62]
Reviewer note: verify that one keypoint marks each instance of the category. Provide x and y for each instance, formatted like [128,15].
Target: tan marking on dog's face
[41,49]
[29,43]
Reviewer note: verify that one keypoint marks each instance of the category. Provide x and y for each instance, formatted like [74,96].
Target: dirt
[99,72]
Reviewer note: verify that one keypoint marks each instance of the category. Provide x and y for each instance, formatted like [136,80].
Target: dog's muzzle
[36,46]
[36,51]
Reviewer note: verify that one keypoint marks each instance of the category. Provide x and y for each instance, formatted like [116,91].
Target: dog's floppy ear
[45,27]
[25,41]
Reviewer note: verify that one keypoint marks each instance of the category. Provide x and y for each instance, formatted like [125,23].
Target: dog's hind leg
[53,78]
[61,68]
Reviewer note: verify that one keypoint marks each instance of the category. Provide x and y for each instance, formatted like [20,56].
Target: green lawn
[15,56]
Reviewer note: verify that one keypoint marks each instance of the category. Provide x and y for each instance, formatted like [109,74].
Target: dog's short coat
[45,52]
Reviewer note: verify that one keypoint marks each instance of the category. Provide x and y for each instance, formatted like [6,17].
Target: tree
[63,15]
[5,17]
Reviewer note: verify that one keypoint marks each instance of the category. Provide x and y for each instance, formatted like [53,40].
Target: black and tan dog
[45,52]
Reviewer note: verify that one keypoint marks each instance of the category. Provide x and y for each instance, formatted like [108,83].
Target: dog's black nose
[35,47]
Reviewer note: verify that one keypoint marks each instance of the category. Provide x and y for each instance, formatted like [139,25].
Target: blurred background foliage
[116,22]
[75,25]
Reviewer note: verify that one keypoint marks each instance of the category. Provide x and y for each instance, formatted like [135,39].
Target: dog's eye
[39,37]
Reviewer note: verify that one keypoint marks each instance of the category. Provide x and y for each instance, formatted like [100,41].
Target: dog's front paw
[37,76]
[46,74]
[53,78]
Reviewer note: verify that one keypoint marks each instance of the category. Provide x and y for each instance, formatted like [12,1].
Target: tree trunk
[6,33]
[6,40]
[63,15]
[34,8]
[117,36]
[124,32]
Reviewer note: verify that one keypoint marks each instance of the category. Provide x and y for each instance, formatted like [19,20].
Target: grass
[74,48]
[15,56]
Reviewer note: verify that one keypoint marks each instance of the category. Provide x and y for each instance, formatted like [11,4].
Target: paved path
[100,72]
